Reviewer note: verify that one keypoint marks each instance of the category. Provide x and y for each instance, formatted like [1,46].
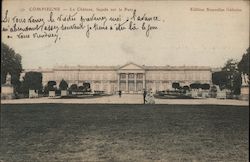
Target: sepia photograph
[131,80]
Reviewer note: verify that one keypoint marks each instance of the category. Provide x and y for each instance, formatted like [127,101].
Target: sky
[183,37]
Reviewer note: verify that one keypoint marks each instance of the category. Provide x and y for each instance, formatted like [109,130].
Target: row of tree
[51,86]
[33,80]
[204,86]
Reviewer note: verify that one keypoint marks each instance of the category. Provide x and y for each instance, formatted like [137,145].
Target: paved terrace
[127,99]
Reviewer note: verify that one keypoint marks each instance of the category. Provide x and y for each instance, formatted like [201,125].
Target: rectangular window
[139,86]
[139,76]
[122,86]
[123,76]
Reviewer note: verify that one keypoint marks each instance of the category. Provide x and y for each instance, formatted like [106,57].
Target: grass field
[60,132]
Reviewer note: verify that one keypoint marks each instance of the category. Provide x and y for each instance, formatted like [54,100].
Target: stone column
[154,87]
[135,77]
[161,86]
[143,81]
[126,82]
[118,82]
[109,87]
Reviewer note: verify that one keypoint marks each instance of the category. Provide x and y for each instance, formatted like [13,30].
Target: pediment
[131,66]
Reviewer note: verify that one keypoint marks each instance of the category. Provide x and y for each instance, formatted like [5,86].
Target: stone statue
[244,79]
[7,89]
[244,90]
[8,79]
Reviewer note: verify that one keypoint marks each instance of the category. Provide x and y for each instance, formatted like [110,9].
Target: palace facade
[129,78]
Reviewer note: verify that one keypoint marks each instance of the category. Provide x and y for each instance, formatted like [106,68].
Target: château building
[129,78]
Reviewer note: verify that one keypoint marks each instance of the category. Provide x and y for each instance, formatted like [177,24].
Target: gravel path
[127,99]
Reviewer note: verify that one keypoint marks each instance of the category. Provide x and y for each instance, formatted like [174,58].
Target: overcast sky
[184,37]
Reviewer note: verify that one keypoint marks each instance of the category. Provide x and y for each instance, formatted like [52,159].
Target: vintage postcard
[124,80]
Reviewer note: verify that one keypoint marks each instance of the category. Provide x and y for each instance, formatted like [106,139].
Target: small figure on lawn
[120,93]
[144,96]
[150,98]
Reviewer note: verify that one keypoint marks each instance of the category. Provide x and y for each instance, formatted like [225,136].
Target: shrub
[176,85]
[63,85]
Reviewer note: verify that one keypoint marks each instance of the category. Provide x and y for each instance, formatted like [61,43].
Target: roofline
[142,67]
[117,68]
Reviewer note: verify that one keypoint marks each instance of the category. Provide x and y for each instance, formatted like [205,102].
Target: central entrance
[131,86]
[131,82]
[131,78]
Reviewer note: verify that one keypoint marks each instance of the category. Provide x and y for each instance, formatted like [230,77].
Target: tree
[10,63]
[233,76]
[213,88]
[229,77]
[195,85]
[81,88]
[51,85]
[31,80]
[63,85]
[205,86]
[219,78]
[73,87]
[236,83]
[176,85]
[243,65]
[86,87]
[186,88]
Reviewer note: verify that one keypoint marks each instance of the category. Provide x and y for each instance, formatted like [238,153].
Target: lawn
[61,132]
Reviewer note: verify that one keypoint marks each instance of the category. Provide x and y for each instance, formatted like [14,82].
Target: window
[139,76]
[123,76]
[131,76]
[139,87]
[122,86]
